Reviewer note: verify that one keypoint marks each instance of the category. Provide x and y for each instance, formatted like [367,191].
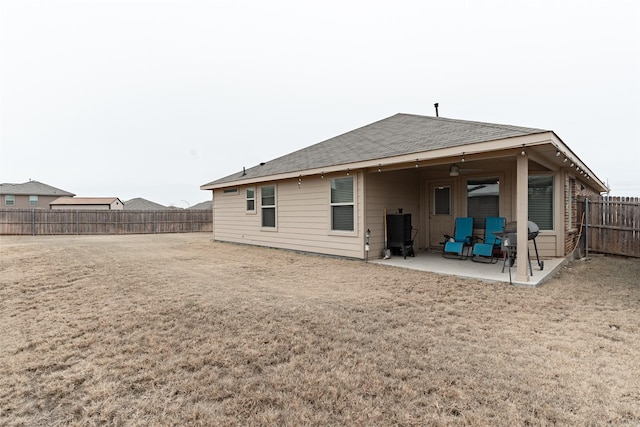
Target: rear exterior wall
[303,217]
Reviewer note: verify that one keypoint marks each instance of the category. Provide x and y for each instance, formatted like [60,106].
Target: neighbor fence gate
[66,221]
[611,225]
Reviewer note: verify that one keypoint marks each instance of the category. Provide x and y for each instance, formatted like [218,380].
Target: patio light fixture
[454,170]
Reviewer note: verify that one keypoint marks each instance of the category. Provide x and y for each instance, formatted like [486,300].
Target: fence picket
[614,225]
[69,221]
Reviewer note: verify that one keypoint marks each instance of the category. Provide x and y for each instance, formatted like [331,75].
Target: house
[208,205]
[87,203]
[140,204]
[324,198]
[30,195]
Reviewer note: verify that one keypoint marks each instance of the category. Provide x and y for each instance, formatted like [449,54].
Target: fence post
[586,228]
[33,222]
[116,230]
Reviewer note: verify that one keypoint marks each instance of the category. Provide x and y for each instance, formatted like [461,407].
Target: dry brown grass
[179,330]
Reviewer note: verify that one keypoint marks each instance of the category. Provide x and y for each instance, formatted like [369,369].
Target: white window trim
[349,233]
[254,211]
[275,206]
[8,197]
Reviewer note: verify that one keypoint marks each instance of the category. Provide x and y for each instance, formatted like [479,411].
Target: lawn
[176,329]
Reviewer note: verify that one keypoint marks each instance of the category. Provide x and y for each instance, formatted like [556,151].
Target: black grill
[533,229]
[509,242]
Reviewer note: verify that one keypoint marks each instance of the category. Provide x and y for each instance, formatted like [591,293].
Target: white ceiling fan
[455,170]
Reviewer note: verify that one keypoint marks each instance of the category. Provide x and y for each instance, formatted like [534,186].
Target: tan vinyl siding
[302,219]
[391,191]
[22,202]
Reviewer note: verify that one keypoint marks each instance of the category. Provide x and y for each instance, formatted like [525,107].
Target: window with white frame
[33,200]
[268,206]
[342,204]
[541,201]
[251,199]
[9,200]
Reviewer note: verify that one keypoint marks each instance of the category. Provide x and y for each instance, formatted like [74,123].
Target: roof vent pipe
[436,105]
[244,171]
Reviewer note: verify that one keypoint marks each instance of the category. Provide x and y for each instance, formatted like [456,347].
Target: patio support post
[522,216]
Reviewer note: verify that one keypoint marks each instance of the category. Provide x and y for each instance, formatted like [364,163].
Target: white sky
[150,98]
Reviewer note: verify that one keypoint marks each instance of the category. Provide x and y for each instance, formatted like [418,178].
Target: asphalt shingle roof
[397,135]
[203,205]
[32,188]
[84,201]
[140,204]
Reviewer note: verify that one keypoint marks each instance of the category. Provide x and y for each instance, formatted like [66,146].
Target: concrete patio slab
[434,262]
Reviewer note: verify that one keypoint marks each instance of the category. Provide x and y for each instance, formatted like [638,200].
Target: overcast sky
[151,98]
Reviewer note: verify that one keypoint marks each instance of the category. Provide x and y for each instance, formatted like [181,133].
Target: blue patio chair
[488,249]
[461,241]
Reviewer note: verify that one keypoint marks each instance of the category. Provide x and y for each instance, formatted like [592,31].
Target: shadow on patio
[434,262]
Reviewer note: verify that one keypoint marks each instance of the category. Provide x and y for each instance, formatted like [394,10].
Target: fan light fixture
[454,170]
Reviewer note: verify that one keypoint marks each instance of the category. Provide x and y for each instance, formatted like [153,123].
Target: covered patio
[434,262]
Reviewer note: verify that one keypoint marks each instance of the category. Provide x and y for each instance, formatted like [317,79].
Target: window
[483,199]
[33,200]
[342,206]
[442,201]
[230,191]
[251,199]
[268,205]
[9,200]
[541,201]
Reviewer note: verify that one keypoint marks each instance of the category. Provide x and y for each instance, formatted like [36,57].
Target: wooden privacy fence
[612,225]
[40,222]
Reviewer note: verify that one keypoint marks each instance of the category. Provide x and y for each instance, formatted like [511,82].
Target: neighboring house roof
[484,190]
[33,188]
[203,205]
[140,204]
[397,135]
[84,201]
